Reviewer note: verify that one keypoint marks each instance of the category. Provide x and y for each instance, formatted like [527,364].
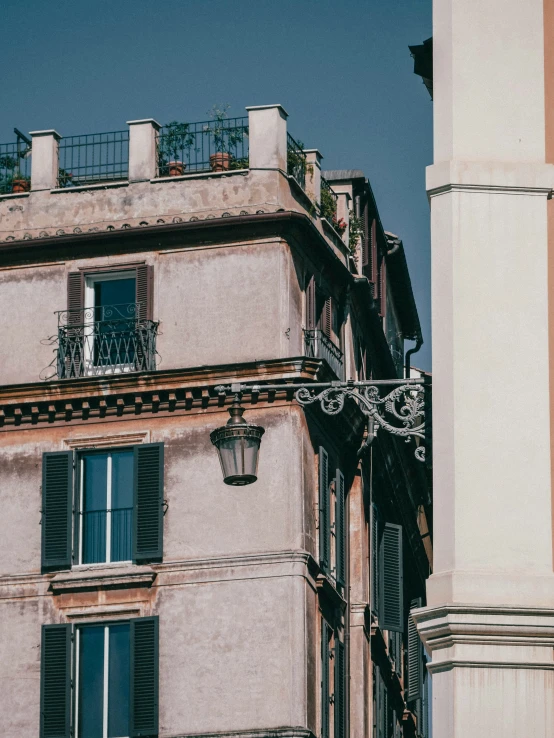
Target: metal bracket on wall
[398,406]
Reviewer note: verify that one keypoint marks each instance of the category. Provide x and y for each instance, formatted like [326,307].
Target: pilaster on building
[141,270]
[489,619]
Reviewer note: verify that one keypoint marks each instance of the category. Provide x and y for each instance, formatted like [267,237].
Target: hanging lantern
[238,444]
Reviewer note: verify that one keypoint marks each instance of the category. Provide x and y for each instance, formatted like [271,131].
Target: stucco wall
[232,589]
[235,303]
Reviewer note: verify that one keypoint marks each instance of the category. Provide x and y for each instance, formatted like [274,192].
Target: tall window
[102,506]
[106,506]
[110,299]
[103,676]
[100,680]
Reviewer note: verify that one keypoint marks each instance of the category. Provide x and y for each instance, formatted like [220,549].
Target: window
[333,683]
[110,300]
[117,513]
[103,674]
[332,520]
[100,680]
[387,577]
[105,512]
[107,327]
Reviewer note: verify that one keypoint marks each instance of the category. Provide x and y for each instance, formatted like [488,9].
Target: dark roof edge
[401,285]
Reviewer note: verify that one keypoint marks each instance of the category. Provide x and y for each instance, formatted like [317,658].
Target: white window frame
[108,511]
[105,702]
[90,280]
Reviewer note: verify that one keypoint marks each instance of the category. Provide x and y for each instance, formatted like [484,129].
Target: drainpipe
[414,350]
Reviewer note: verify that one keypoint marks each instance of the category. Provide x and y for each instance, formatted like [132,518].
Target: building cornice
[86,399]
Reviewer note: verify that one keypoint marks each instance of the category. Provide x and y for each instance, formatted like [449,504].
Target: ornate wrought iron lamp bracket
[397,406]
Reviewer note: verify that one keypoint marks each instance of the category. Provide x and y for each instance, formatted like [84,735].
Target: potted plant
[175,139]
[20,182]
[65,178]
[225,138]
[328,206]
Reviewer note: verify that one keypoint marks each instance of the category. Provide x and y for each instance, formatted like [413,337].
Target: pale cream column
[44,168]
[267,134]
[489,619]
[143,160]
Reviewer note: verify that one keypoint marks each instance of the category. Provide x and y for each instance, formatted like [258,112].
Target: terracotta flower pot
[220,162]
[176,168]
[21,185]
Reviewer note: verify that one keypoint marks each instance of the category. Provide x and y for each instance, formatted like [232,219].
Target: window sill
[326,587]
[97,577]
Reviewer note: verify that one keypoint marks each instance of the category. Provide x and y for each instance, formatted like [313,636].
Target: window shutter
[375,568]
[373,255]
[365,234]
[340,689]
[382,287]
[340,529]
[55,681]
[144,677]
[311,319]
[327,317]
[415,661]
[144,290]
[325,633]
[381,705]
[148,503]
[324,510]
[392,610]
[75,297]
[57,493]
[425,707]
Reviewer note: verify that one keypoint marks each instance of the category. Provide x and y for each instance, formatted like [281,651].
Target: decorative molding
[107,441]
[99,578]
[490,189]
[103,612]
[131,395]
[284,732]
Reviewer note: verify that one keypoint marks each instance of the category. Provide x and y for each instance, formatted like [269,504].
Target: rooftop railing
[207,146]
[296,161]
[93,158]
[329,200]
[15,166]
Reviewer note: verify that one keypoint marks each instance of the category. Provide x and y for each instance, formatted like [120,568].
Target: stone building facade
[140,595]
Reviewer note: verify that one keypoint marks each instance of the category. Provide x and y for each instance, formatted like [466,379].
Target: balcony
[318,345]
[112,339]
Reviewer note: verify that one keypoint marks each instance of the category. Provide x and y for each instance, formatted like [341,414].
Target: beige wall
[232,589]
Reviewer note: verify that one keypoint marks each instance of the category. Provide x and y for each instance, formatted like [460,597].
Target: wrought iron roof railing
[107,340]
[93,158]
[208,146]
[15,165]
[329,200]
[296,161]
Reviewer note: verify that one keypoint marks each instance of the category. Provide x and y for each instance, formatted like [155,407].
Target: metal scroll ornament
[401,412]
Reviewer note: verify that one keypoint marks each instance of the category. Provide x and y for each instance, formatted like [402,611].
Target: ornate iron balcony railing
[319,346]
[296,161]
[108,340]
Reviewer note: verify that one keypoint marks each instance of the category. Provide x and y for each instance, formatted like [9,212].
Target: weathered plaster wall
[235,303]
[223,547]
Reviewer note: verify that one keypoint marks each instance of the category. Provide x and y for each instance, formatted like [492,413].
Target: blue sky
[341,69]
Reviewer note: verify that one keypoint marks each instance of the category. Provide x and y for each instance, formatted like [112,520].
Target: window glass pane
[118,681]
[114,292]
[91,682]
[95,478]
[122,505]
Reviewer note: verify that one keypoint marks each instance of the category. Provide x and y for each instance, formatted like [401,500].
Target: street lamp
[238,444]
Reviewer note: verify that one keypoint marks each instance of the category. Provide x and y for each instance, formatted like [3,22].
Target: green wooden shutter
[325,697]
[148,503]
[57,498]
[340,529]
[55,681]
[392,590]
[340,689]
[324,510]
[311,319]
[144,677]
[375,568]
[327,316]
[144,282]
[380,705]
[415,660]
